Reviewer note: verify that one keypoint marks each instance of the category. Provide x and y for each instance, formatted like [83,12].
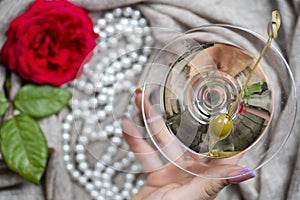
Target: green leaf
[24,147]
[4,104]
[41,101]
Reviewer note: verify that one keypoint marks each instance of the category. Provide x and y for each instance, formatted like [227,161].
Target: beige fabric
[280,179]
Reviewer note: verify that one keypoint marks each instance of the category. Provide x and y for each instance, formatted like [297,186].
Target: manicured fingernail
[241,175]
[139,90]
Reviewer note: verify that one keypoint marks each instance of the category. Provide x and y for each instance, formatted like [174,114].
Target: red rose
[49,43]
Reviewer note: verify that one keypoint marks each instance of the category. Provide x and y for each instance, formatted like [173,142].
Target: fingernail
[139,90]
[240,175]
[125,115]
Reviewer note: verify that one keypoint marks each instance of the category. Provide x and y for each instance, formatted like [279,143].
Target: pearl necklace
[119,58]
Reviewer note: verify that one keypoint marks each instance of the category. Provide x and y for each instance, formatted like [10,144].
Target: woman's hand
[166,181]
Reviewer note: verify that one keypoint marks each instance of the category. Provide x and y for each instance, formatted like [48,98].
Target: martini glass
[196,78]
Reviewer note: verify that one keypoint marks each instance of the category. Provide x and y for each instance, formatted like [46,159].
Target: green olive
[220,127]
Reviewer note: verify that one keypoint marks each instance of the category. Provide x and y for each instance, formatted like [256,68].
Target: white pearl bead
[148,40]
[96,29]
[94,193]
[98,184]
[135,168]
[66,126]
[79,148]
[118,197]
[81,84]
[100,198]
[116,140]
[109,129]
[88,173]
[66,137]
[134,56]
[126,62]
[133,23]
[129,177]
[101,114]
[140,183]
[75,174]
[120,76]
[89,88]
[70,167]
[110,70]
[67,158]
[138,32]
[77,113]
[110,90]
[114,189]
[110,171]
[146,50]
[137,68]
[69,117]
[83,140]
[96,174]
[142,59]
[116,66]
[109,17]
[83,166]
[110,30]
[124,22]
[103,36]
[80,157]
[142,22]
[128,29]
[146,30]
[125,162]
[134,190]
[131,155]
[87,130]
[106,184]
[106,159]
[127,11]
[99,166]
[89,186]
[130,47]
[125,194]
[138,41]
[117,12]
[117,166]
[66,148]
[128,186]
[102,99]
[106,176]
[109,194]
[119,27]
[102,136]
[108,108]
[136,14]
[112,150]
[82,180]
[101,23]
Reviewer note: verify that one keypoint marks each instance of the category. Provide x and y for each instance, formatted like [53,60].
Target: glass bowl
[196,77]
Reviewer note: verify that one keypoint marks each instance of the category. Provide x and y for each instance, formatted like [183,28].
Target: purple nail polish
[241,175]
